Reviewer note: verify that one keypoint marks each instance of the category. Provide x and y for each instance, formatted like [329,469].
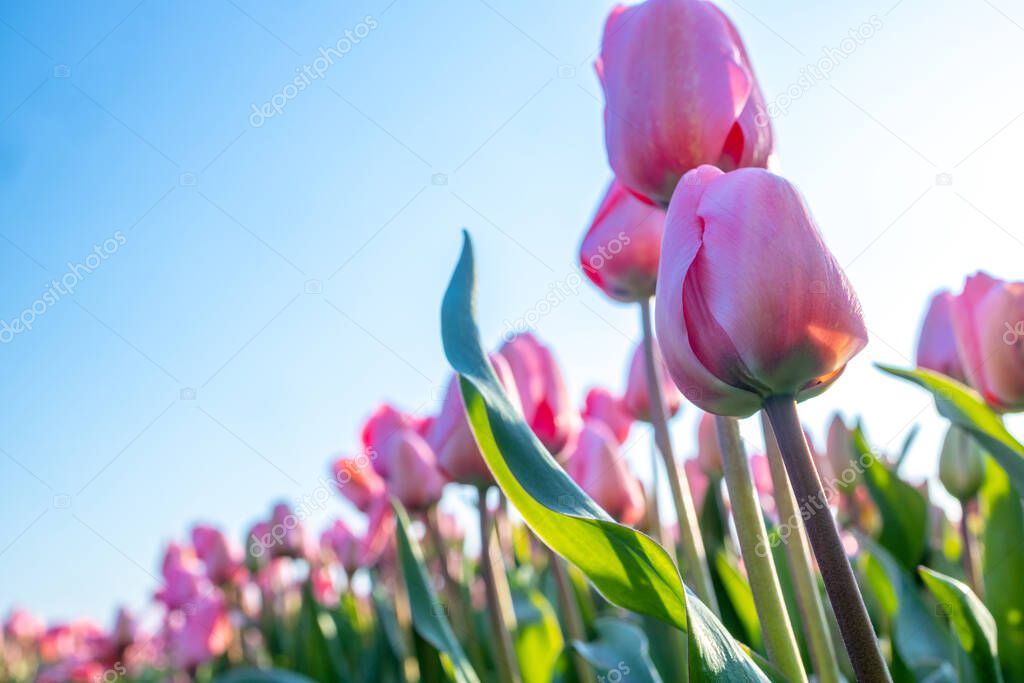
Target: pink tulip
[763,485]
[221,557]
[23,627]
[287,533]
[451,437]
[182,574]
[988,322]
[679,92]
[414,477]
[356,479]
[698,480]
[542,393]
[385,421]
[709,455]
[750,302]
[600,469]
[936,346]
[620,251]
[200,633]
[637,398]
[344,544]
[601,405]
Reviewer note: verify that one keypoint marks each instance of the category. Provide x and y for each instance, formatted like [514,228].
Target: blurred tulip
[841,458]
[601,405]
[936,345]
[200,633]
[23,627]
[709,455]
[353,551]
[382,424]
[961,464]
[356,479]
[679,93]
[699,483]
[182,574]
[344,544]
[452,439]
[600,469]
[619,252]
[221,558]
[542,393]
[988,323]
[750,302]
[287,534]
[414,477]
[637,399]
[763,485]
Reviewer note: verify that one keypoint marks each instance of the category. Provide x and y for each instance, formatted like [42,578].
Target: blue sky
[261,282]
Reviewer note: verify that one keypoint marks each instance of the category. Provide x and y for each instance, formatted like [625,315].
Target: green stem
[499,607]
[696,564]
[968,552]
[776,628]
[572,619]
[801,568]
[840,583]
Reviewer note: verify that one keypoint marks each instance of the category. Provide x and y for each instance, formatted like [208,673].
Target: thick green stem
[757,558]
[801,568]
[840,583]
[694,556]
[572,619]
[499,603]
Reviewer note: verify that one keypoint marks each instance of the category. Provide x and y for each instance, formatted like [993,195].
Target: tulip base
[840,583]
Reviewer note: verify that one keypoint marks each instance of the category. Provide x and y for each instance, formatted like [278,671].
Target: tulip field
[775,559]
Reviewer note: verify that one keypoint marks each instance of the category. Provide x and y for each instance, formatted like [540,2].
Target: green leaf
[967,409]
[317,652]
[261,676]
[920,639]
[538,636]
[903,509]
[627,567]
[427,611]
[1002,565]
[619,653]
[972,622]
[741,597]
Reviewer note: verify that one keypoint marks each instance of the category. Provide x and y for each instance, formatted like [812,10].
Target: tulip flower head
[750,302]
[542,392]
[600,404]
[936,345]
[709,454]
[988,323]
[356,479]
[620,251]
[414,476]
[201,633]
[637,398]
[599,468]
[840,455]
[221,558]
[382,424]
[961,464]
[679,92]
[183,577]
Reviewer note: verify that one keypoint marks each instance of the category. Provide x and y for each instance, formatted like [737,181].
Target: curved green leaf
[972,622]
[427,611]
[967,409]
[627,567]
[619,653]
[538,637]
[261,676]
[903,509]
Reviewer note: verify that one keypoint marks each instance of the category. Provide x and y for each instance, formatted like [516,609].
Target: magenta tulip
[221,558]
[599,468]
[382,424]
[287,533]
[750,303]
[637,399]
[601,405]
[356,479]
[679,92]
[988,322]
[451,437]
[182,575]
[353,551]
[542,393]
[200,633]
[23,627]
[709,454]
[415,478]
[936,346]
[620,251]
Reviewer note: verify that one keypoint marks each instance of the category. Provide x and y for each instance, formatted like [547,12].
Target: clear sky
[254,265]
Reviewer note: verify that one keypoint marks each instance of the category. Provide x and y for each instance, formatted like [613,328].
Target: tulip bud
[288,537]
[679,92]
[545,400]
[637,399]
[709,454]
[620,251]
[988,323]
[451,437]
[599,469]
[936,345]
[356,479]
[221,558]
[750,302]
[961,464]
[841,458]
[415,479]
[382,424]
[601,405]
[200,634]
